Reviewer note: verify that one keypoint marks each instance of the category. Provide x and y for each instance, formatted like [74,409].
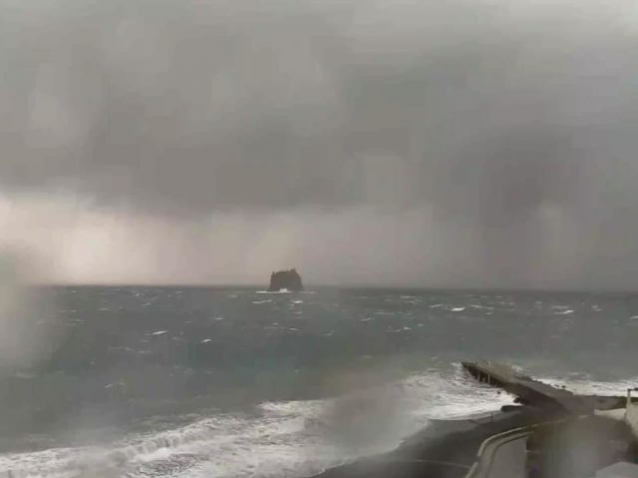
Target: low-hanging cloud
[461,143]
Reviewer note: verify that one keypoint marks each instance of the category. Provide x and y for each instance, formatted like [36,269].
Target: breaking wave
[295,438]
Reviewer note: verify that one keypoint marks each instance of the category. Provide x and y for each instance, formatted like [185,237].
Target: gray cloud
[497,136]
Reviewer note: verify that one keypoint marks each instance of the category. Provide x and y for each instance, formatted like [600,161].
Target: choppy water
[170,382]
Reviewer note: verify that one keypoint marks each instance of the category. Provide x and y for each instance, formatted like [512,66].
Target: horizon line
[438,288]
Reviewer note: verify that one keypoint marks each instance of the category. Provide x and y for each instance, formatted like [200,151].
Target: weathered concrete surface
[509,460]
[631,416]
[580,447]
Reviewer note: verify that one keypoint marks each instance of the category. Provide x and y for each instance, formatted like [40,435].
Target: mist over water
[194,382]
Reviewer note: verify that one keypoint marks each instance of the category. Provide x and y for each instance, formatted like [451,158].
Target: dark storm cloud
[247,104]
[511,121]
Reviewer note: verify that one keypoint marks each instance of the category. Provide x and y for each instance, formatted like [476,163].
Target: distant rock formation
[290,280]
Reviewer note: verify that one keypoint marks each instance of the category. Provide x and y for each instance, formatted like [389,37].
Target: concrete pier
[497,446]
[536,393]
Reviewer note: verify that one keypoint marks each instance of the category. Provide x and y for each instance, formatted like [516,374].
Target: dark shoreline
[566,422]
[446,449]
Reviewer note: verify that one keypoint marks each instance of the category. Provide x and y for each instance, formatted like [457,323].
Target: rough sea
[223,383]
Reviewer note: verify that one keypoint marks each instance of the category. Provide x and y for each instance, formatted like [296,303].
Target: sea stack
[289,280]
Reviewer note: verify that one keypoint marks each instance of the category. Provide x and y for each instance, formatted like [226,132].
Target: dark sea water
[196,382]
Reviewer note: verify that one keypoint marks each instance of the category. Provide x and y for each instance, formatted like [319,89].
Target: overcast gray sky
[476,143]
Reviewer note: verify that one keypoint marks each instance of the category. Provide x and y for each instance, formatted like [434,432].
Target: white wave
[281,442]
[564,312]
[160,332]
[281,291]
[257,302]
[481,307]
[442,396]
[458,309]
[226,444]
[585,386]
[400,329]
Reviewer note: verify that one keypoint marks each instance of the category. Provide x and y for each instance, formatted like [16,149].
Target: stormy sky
[440,143]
